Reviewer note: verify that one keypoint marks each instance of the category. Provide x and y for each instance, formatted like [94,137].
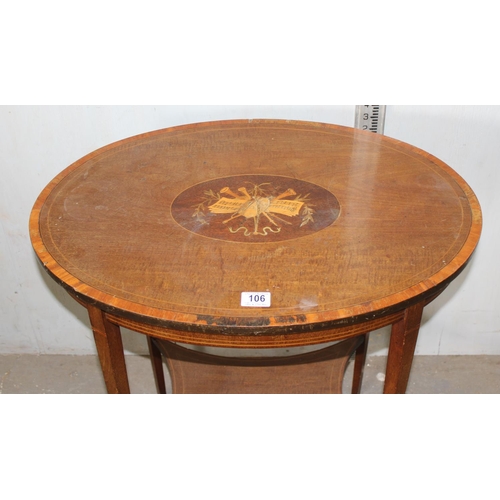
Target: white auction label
[255,299]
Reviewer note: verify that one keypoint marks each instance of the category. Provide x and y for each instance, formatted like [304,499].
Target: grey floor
[59,374]
[66,374]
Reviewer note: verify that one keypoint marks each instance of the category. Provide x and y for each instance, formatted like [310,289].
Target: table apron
[257,340]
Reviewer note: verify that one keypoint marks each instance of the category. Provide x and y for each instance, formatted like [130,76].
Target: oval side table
[256,234]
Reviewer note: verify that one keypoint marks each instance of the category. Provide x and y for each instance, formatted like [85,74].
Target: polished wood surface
[317,372]
[347,230]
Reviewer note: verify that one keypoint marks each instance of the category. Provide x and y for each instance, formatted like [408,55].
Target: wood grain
[103,228]
[349,231]
[318,372]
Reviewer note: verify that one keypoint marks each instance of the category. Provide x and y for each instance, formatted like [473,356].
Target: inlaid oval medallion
[255,208]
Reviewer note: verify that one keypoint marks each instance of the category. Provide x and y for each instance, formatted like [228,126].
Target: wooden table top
[337,224]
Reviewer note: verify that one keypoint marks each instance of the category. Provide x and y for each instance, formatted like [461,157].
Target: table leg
[401,349]
[359,365]
[157,364]
[109,345]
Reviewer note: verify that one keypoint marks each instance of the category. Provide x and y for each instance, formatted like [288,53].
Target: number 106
[257,298]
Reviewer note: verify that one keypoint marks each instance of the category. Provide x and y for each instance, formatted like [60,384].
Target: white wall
[37,142]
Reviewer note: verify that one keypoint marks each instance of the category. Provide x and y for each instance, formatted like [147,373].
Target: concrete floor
[66,374]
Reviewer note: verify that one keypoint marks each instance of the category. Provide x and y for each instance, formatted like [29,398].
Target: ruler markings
[370,117]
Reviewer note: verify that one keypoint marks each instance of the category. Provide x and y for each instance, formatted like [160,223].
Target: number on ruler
[370,117]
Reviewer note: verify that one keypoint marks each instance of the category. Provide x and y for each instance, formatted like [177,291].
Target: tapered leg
[401,349]
[157,363]
[359,365]
[109,345]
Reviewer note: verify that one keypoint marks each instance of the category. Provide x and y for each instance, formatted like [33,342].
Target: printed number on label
[255,299]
